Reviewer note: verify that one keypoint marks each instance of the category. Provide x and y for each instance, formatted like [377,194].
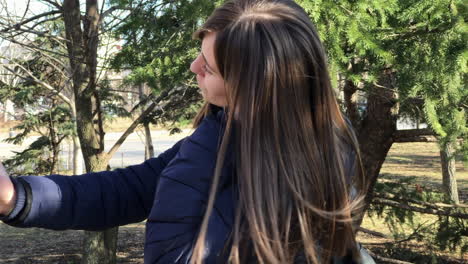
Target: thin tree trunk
[77,154]
[77,157]
[449,181]
[149,148]
[53,146]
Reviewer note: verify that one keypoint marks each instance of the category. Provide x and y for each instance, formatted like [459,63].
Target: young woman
[270,175]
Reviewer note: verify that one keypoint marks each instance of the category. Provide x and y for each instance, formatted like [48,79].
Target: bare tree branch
[25,30]
[34,47]
[57,5]
[372,232]
[137,121]
[55,62]
[132,9]
[414,135]
[19,24]
[26,10]
[114,8]
[130,130]
[45,20]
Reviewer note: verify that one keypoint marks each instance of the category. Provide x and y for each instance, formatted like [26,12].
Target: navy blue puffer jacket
[171,191]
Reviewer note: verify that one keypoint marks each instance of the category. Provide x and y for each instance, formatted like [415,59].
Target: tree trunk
[350,101]
[449,181]
[149,149]
[54,163]
[54,146]
[77,154]
[100,247]
[77,157]
[9,110]
[82,43]
[376,131]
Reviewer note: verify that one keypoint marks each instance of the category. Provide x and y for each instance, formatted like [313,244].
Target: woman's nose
[195,67]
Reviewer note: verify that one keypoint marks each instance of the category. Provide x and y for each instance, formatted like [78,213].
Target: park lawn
[420,160]
[405,159]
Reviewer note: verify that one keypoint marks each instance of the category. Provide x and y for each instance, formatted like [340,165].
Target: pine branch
[389,260]
[416,135]
[135,124]
[396,204]
[413,235]
[49,87]
[391,196]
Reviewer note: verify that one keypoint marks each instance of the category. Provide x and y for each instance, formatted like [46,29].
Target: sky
[19,6]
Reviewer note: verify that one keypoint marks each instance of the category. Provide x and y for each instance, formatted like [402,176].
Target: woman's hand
[7,192]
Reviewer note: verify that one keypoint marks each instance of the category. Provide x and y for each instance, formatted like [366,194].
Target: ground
[406,159]
[36,245]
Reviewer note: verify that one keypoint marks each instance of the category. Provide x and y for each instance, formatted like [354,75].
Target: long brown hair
[294,149]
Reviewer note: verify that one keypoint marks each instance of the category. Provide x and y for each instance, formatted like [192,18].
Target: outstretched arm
[92,201]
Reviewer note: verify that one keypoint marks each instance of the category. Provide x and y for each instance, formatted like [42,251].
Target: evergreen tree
[393,54]
[432,55]
[159,48]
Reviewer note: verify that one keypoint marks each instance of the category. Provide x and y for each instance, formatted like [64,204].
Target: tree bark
[350,101]
[54,146]
[77,154]
[77,157]
[149,148]
[376,131]
[100,247]
[449,181]
[82,42]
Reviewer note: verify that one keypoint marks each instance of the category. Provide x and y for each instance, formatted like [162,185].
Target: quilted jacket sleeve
[181,197]
[92,201]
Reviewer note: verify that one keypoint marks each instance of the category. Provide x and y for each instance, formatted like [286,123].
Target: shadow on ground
[34,245]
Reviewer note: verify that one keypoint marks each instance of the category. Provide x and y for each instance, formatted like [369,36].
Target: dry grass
[421,160]
[6,126]
[40,246]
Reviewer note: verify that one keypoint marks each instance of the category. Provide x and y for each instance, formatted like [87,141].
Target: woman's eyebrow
[206,61]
